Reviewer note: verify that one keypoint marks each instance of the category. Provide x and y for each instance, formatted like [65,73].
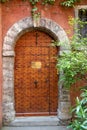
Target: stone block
[64,110]
[8,73]
[7,99]
[8,51]
[8,117]
[7,107]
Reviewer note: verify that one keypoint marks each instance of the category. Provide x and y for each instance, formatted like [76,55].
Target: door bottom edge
[36,114]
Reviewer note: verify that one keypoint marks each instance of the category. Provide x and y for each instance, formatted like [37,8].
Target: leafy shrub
[80,112]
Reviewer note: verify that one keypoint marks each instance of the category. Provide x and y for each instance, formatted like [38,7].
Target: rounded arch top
[25,24]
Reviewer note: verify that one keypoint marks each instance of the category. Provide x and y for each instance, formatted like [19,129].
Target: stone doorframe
[18,29]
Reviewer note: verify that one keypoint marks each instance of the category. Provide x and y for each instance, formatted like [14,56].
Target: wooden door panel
[36,90]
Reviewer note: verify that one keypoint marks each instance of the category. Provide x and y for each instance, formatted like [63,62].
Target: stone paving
[37,128]
[35,123]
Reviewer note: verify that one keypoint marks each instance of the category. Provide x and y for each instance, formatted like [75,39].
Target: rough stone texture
[8,66]
[63,110]
[64,104]
[8,117]
[64,107]
[8,53]
[8,89]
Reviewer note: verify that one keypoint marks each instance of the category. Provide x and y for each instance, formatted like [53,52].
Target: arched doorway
[35,75]
[14,33]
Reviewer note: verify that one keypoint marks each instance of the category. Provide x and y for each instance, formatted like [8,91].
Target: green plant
[80,113]
[3,1]
[73,67]
[69,3]
[35,13]
[34,2]
[73,64]
[48,2]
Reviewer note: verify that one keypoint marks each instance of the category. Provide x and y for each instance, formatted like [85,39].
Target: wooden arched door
[35,76]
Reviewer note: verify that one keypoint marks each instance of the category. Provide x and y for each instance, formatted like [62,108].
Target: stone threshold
[36,128]
[35,121]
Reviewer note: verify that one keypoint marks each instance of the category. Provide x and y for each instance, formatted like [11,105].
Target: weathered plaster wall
[16,10]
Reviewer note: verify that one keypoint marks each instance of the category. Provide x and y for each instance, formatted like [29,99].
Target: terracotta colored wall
[0,66]
[15,10]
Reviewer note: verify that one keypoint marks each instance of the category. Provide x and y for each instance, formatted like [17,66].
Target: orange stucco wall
[15,10]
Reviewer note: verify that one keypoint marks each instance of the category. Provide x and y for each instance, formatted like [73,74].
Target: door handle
[35,82]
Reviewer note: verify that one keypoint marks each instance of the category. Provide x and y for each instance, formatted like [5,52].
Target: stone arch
[10,39]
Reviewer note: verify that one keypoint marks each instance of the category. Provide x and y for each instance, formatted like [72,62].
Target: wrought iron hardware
[35,82]
[36,38]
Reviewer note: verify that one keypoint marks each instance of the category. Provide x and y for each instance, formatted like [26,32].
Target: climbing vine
[36,13]
[34,2]
[69,3]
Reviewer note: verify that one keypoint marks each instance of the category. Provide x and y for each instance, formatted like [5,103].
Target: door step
[36,121]
[36,128]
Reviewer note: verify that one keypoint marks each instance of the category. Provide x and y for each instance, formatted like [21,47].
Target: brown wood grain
[36,89]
